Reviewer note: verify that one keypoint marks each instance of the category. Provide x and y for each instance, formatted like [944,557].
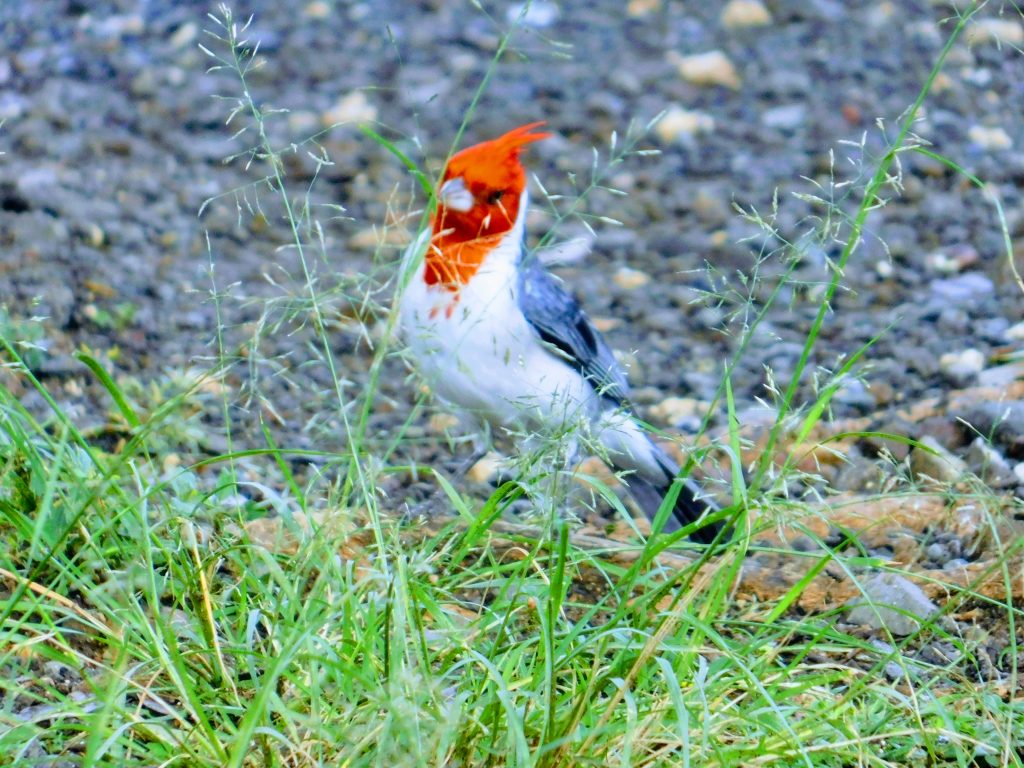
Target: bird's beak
[454,196]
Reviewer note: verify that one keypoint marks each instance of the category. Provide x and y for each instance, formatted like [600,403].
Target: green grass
[228,612]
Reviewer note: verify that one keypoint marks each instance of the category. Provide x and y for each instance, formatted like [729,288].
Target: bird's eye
[495,197]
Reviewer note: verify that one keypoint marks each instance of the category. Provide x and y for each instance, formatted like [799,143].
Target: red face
[478,201]
[492,210]
[479,195]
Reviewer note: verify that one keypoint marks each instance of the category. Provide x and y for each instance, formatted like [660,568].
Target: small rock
[442,422]
[57,366]
[707,69]
[943,83]
[881,15]
[679,411]
[115,26]
[1014,332]
[859,474]
[303,122]
[992,329]
[952,260]
[955,564]
[318,9]
[592,466]
[630,279]
[992,30]
[1018,471]
[893,670]
[709,317]
[787,117]
[942,429]
[953,321]
[962,368]
[745,13]
[354,107]
[710,208]
[606,324]
[855,394]
[486,470]
[95,236]
[12,105]
[678,124]
[184,34]
[539,14]
[638,8]
[371,238]
[920,361]
[1001,376]
[988,464]
[891,602]
[929,461]
[990,138]
[1002,422]
[875,444]
[970,286]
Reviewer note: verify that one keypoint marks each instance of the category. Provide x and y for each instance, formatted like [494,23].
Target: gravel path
[112,142]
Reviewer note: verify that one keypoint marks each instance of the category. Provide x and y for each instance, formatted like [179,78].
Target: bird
[493,333]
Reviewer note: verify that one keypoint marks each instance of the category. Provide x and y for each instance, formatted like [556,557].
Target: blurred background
[114,138]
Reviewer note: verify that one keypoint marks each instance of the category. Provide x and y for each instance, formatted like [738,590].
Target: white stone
[971,360]
[989,138]
[679,124]
[939,261]
[707,69]
[745,13]
[353,107]
[630,279]
[640,8]
[991,30]
[184,35]
[538,14]
[1014,332]
[786,117]
[318,9]
[486,469]
[675,410]
[962,367]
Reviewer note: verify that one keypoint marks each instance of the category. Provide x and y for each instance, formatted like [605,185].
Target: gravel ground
[113,141]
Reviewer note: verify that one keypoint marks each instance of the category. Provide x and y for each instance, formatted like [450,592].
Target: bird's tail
[649,488]
[652,473]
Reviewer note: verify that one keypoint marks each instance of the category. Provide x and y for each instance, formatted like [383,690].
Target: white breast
[476,350]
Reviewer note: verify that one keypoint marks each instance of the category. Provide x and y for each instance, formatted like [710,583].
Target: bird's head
[482,186]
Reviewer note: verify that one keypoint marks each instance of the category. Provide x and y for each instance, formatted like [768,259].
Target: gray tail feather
[688,508]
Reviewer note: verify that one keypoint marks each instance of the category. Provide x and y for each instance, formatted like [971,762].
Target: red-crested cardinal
[494,333]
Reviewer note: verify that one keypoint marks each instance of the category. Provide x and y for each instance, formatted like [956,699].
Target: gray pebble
[963,289]
[929,461]
[988,464]
[892,602]
[787,117]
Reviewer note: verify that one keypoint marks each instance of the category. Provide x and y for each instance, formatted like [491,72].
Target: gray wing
[559,320]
